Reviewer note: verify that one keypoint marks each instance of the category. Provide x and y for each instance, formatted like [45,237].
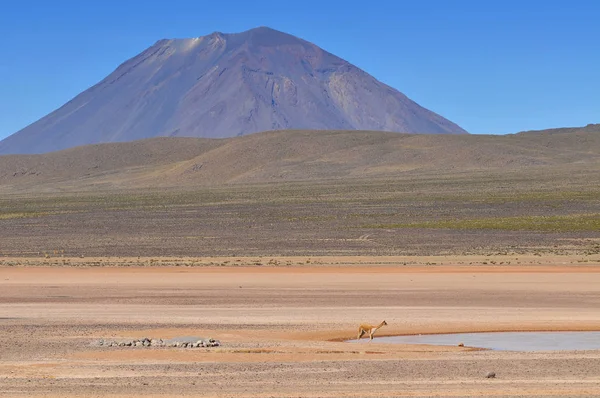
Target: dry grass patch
[559,223]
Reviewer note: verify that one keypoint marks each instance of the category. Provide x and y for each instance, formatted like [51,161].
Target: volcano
[226,85]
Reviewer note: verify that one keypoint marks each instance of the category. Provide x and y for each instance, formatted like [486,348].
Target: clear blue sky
[493,67]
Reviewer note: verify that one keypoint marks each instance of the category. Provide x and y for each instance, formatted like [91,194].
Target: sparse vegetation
[566,223]
[12,215]
[553,209]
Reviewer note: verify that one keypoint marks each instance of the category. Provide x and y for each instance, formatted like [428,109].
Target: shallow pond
[504,341]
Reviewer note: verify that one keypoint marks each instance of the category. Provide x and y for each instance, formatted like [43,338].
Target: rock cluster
[147,342]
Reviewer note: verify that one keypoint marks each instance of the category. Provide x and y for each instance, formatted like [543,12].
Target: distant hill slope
[590,128]
[225,85]
[292,156]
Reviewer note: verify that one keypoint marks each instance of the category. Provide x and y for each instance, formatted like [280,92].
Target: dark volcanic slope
[294,156]
[225,85]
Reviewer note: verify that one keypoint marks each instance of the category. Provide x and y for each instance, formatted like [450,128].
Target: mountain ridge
[223,85]
[284,156]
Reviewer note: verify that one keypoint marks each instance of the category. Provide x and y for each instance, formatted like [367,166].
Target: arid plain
[282,268]
[282,329]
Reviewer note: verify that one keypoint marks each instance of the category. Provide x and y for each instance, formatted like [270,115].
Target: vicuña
[371,329]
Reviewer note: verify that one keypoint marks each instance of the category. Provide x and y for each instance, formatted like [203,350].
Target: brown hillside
[292,156]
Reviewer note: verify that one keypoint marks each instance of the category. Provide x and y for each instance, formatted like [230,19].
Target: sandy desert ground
[282,327]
